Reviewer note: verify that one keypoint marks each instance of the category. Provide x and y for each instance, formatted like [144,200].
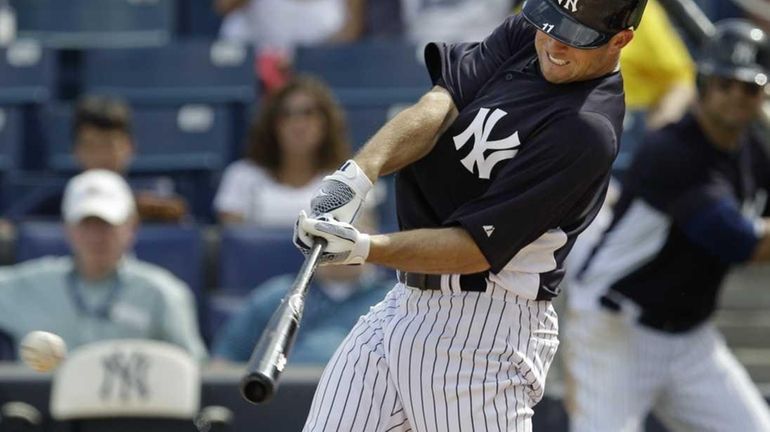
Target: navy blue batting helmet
[583,23]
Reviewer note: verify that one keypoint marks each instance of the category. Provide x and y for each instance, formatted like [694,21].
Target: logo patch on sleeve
[489,229]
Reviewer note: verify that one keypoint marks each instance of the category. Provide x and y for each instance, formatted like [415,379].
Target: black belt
[648,320]
[428,282]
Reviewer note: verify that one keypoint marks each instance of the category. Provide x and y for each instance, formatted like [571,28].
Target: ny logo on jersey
[571,5]
[479,131]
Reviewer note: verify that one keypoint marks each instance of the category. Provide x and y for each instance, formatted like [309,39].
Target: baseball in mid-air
[42,351]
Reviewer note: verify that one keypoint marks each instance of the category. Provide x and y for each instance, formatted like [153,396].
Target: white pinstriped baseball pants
[432,361]
[619,371]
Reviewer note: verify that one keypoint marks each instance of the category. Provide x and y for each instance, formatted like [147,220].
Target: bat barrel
[256,387]
[271,352]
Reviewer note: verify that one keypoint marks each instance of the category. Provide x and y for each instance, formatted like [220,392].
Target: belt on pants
[427,282]
[648,320]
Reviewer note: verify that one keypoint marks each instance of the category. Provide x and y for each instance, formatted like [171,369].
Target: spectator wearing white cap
[101,291]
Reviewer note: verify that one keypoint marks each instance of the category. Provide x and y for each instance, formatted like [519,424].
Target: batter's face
[561,63]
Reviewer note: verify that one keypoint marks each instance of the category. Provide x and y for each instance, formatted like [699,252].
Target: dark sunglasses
[748,88]
[306,111]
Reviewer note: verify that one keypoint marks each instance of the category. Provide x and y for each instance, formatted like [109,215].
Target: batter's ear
[621,39]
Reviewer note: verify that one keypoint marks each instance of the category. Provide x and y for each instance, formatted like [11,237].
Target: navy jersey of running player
[525,166]
[686,212]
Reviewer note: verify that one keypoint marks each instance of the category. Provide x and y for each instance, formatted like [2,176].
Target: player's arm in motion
[406,138]
[409,136]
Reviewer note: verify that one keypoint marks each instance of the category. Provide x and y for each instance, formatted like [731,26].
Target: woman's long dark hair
[263,147]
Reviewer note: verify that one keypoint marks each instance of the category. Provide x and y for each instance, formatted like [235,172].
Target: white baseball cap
[100,193]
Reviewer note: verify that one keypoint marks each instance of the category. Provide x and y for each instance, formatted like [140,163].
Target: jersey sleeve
[702,204]
[463,68]
[562,165]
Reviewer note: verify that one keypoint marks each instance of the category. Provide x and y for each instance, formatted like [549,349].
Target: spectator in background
[276,27]
[102,139]
[338,296]
[658,72]
[452,20]
[99,292]
[287,23]
[297,138]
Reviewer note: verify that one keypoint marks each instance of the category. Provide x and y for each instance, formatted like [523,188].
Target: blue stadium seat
[183,71]
[167,138]
[366,73]
[11,137]
[37,239]
[249,256]
[7,347]
[178,249]
[221,308]
[363,122]
[32,195]
[27,73]
[89,23]
[197,19]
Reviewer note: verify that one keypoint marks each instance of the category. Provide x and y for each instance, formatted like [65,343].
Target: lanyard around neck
[101,310]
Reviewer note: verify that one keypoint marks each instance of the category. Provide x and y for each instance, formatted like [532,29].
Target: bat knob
[257,388]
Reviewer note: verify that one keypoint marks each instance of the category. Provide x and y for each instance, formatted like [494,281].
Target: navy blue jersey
[687,211]
[525,166]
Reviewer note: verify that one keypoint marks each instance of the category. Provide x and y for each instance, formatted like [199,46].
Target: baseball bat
[688,16]
[269,357]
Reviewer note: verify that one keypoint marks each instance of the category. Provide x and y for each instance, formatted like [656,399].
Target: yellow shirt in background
[655,60]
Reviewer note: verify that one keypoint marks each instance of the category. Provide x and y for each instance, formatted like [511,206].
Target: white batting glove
[342,193]
[345,244]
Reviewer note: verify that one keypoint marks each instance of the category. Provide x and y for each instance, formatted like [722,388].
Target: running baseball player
[500,166]
[639,336]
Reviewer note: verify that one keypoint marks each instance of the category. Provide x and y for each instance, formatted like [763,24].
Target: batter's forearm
[409,136]
[435,251]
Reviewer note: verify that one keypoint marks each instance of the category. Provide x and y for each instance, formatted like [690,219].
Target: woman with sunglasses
[298,137]
[640,337]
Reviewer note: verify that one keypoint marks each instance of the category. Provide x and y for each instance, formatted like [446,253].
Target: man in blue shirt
[336,299]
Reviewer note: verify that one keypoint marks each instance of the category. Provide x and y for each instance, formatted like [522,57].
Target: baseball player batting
[640,336]
[500,166]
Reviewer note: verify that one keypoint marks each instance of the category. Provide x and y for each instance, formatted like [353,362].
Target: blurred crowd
[296,135]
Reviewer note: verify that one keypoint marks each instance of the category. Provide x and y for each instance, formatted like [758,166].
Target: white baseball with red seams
[42,351]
